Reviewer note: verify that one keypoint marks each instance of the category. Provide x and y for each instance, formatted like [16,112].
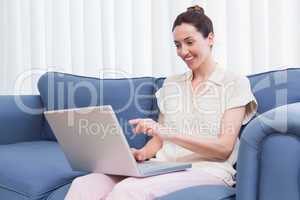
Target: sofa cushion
[207,192]
[33,169]
[60,193]
[279,86]
[130,98]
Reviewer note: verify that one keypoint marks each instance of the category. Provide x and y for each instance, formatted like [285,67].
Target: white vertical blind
[239,42]
[161,34]
[61,34]
[3,44]
[113,38]
[276,39]
[77,36]
[291,32]
[123,35]
[259,32]
[14,54]
[141,32]
[108,35]
[92,37]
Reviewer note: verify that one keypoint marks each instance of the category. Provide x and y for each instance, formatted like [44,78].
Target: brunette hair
[195,16]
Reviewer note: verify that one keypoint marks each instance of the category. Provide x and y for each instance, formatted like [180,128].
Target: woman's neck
[203,72]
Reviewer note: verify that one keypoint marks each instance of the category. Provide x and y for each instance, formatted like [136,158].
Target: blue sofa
[33,167]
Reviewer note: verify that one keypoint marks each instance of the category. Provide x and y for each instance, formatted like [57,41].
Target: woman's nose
[184,51]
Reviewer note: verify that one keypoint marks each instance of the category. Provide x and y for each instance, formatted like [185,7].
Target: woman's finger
[134,121]
[139,155]
[138,128]
[150,131]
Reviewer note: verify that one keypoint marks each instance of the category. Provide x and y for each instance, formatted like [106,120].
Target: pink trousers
[108,187]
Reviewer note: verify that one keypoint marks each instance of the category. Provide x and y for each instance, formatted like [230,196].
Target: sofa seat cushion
[208,192]
[60,193]
[34,169]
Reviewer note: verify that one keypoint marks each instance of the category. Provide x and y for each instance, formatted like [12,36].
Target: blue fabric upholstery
[11,195]
[278,178]
[31,170]
[130,98]
[279,86]
[268,162]
[20,119]
[60,193]
[202,192]
[275,88]
[258,153]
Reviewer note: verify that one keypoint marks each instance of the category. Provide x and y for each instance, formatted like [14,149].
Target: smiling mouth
[188,59]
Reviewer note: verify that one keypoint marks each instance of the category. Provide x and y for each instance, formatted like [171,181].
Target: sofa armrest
[268,163]
[21,118]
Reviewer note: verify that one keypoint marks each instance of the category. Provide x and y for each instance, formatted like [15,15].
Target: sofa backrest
[20,118]
[275,88]
[130,98]
[134,97]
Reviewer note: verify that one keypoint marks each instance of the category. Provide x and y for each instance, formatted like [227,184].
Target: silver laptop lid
[93,140]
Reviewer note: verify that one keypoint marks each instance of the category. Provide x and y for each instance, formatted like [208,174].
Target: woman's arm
[152,147]
[210,149]
[149,150]
[218,149]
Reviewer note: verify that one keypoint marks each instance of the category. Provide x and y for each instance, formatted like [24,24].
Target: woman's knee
[128,190]
[83,180]
[95,179]
[92,187]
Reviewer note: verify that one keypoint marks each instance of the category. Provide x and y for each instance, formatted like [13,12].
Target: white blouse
[198,112]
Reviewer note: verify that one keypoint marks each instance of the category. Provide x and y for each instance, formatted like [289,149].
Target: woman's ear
[211,39]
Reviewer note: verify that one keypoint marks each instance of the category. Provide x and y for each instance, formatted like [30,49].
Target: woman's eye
[177,46]
[190,43]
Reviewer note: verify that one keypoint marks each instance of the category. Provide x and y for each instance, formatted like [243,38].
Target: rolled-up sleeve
[239,94]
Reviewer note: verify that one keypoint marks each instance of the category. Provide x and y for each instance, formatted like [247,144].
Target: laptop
[93,141]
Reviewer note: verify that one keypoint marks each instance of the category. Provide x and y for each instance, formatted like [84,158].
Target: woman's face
[191,46]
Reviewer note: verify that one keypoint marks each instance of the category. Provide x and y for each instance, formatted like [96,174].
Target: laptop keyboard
[150,166]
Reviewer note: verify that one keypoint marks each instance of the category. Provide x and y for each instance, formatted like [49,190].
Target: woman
[201,113]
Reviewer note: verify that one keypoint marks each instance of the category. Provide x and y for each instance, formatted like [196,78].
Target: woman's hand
[139,154]
[147,126]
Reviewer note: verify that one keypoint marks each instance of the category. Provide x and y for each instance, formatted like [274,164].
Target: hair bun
[196,8]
